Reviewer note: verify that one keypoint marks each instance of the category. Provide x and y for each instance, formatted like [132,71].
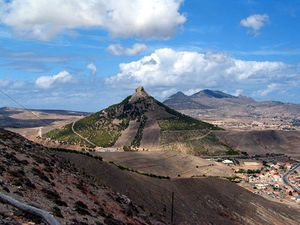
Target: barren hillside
[262,142]
[32,174]
[196,200]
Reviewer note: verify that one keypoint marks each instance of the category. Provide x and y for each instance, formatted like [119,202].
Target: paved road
[46,216]
[91,143]
[287,174]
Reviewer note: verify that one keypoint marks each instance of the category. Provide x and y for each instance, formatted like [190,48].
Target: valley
[142,151]
[139,112]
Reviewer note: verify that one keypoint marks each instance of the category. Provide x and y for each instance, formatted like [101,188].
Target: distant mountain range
[236,111]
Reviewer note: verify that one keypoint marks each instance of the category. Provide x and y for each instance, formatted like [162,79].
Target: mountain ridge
[140,122]
[236,112]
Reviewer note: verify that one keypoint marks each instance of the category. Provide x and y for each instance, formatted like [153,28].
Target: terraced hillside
[142,122]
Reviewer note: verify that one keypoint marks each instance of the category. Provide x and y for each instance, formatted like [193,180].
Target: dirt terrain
[262,142]
[12,216]
[197,200]
[168,164]
[127,135]
[32,174]
[151,135]
[28,122]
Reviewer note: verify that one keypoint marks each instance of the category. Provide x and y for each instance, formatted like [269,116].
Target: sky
[87,55]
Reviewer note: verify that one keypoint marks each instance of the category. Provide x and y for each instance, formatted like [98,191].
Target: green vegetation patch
[182,122]
[139,134]
[96,128]
[140,172]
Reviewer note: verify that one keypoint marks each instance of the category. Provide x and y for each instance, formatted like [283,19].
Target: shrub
[40,174]
[81,208]
[57,212]
[54,196]
[112,221]
[139,134]
[253,171]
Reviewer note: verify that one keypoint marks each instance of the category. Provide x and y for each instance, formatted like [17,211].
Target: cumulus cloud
[238,92]
[4,83]
[191,91]
[121,18]
[46,82]
[117,49]
[92,68]
[255,22]
[269,89]
[189,69]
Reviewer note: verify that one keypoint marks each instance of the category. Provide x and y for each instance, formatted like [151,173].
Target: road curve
[285,177]
[46,216]
[79,135]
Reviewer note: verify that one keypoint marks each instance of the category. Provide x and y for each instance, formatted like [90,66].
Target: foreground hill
[81,189]
[236,112]
[200,201]
[32,174]
[142,122]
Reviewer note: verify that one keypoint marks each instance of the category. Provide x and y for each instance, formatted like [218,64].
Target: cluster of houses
[266,178]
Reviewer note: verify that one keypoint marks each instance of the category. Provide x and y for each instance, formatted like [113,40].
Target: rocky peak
[139,94]
[212,94]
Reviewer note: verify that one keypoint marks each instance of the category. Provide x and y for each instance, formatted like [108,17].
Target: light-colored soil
[262,142]
[170,164]
[151,135]
[127,135]
[45,119]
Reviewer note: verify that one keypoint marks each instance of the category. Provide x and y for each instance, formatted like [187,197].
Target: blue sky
[85,55]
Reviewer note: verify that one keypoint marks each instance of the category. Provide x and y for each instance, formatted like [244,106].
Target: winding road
[285,177]
[91,143]
[46,216]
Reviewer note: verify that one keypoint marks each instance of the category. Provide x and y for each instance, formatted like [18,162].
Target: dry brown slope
[172,164]
[31,174]
[197,201]
[127,135]
[262,142]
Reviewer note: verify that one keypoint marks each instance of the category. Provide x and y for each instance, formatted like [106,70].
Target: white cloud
[4,83]
[46,82]
[117,49]
[191,91]
[44,19]
[166,93]
[238,92]
[255,22]
[188,69]
[92,68]
[269,89]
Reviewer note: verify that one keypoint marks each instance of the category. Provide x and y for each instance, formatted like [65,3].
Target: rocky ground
[31,173]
